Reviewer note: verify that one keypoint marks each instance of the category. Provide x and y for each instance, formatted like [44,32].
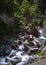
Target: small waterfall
[42,38]
[19,55]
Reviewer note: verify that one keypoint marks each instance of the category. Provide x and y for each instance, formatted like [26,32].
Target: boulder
[39,62]
[5,50]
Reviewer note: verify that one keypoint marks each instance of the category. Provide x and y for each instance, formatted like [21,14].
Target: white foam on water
[24,58]
[18,54]
[21,47]
[42,38]
[11,59]
[5,63]
[13,51]
[20,63]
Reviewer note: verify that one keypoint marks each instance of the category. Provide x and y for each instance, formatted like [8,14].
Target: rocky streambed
[22,51]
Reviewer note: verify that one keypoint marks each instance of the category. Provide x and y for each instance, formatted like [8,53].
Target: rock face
[40,62]
[8,21]
[5,48]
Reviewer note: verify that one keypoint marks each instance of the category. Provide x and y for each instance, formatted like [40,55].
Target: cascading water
[19,55]
[42,38]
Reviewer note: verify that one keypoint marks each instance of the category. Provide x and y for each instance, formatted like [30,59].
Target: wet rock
[25,48]
[31,46]
[17,44]
[5,50]
[21,37]
[26,42]
[14,44]
[39,62]
[34,30]
[36,39]
[36,42]
[31,38]
[32,51]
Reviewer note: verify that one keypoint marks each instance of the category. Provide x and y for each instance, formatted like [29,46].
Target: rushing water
[42,38]
[19,55]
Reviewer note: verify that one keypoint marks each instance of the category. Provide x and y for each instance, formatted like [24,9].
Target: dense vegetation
[24,12]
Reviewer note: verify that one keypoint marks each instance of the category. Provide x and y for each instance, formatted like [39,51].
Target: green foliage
[19,1]
[24,6]
[42,6]
[33,9]
[20,10]
[17,10]
[39,53]
[6,7]
[13,63]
